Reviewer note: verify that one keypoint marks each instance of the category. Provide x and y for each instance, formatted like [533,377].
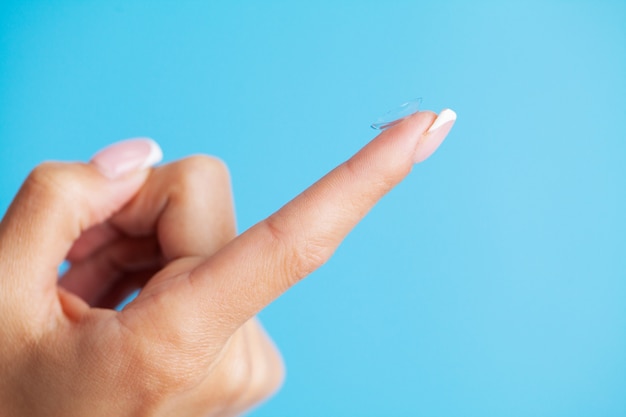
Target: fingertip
[413,126]
[435,135]
[446,115]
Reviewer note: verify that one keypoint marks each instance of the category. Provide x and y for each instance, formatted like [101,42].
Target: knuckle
[309,256]
[236,381]
[381,181]
[200,172]
[57,186]
[54,180]
[353,168]
[269,377]
[298,253]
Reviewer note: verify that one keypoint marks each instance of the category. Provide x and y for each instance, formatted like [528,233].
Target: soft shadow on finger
[123,288]
[94,277]
[92,240]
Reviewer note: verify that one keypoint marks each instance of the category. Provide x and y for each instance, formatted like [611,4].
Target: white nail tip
[444,117]
[154,157]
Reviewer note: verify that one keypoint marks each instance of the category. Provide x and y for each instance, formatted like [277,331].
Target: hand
[189,344]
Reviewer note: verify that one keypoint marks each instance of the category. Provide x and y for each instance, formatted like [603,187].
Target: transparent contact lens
[395,116]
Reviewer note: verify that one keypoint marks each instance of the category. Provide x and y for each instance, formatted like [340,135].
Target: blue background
[492,282]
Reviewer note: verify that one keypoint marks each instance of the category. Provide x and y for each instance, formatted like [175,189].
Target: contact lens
[395,116]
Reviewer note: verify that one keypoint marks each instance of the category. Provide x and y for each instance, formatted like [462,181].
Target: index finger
[266,260]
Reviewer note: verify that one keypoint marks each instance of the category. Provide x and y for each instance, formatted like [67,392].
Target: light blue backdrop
[492,282]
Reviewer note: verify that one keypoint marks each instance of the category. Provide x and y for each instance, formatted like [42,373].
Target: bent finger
[58,202]
[184,210]
[187,205]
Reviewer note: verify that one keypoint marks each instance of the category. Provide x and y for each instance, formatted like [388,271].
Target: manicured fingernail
[434,136]
[127,156]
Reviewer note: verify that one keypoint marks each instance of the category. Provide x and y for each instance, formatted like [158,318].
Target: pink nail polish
[434,136]
[127,156]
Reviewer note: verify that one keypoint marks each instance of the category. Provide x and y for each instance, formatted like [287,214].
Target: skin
[189,344]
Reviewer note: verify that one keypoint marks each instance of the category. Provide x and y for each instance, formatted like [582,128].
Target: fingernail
[434,136]
[127,156]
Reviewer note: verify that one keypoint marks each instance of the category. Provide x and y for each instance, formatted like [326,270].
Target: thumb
[59,201]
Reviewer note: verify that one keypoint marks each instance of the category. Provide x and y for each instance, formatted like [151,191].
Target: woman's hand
[189,344]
